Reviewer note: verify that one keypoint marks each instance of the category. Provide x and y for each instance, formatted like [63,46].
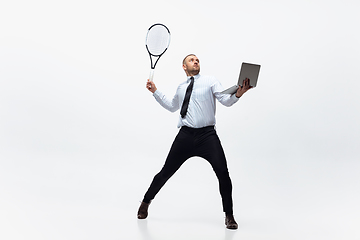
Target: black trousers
[191,142]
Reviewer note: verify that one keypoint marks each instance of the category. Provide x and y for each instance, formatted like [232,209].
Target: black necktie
[187,98]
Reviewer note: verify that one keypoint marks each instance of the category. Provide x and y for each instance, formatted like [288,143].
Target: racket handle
[151,74]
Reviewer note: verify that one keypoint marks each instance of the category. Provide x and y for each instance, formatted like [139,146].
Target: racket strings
[157,40]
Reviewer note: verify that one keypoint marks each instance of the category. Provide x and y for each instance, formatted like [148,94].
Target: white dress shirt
[202,108]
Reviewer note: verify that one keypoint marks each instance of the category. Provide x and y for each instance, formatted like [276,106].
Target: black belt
[197,129]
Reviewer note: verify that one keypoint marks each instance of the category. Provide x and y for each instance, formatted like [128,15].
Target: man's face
[191,65]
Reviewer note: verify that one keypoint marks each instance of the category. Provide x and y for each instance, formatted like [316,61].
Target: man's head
[191,65]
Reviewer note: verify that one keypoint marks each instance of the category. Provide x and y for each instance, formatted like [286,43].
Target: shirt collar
[195,77]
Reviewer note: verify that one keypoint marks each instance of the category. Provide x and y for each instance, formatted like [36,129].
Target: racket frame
[157,56]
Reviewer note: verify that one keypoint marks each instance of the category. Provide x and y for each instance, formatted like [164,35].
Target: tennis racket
[157,42]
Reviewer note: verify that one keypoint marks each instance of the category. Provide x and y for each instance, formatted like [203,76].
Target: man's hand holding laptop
[243,88]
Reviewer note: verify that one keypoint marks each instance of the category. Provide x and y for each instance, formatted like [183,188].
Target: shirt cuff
[156,93]
[234,97]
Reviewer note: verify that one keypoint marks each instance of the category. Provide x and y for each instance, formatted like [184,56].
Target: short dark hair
[188,56]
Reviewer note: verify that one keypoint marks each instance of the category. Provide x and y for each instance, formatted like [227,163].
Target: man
[197,136]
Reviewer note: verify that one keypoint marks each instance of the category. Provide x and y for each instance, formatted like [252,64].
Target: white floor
[97,197]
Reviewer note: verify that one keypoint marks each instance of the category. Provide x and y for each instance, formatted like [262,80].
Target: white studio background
[81,137]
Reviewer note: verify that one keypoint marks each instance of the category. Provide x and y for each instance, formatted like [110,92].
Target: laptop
[248,70]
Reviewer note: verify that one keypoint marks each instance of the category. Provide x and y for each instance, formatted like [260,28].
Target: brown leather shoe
[143,210]
[230,222]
